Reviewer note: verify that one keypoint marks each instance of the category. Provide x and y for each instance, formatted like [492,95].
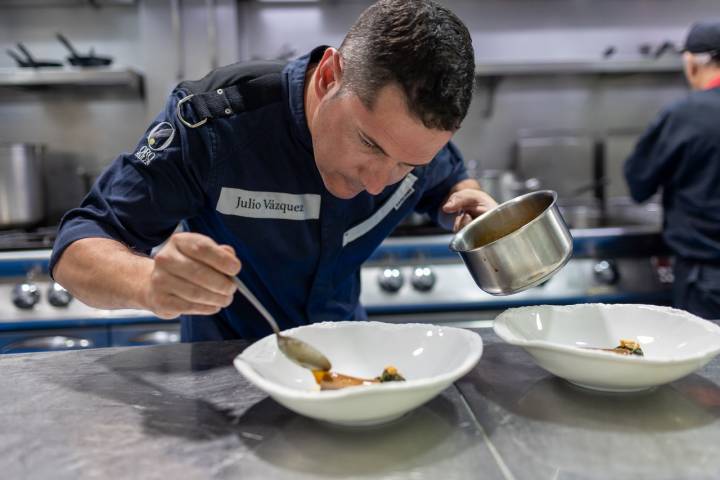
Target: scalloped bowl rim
[503,331]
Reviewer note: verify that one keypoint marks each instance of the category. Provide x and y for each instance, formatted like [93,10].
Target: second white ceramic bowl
[675,342]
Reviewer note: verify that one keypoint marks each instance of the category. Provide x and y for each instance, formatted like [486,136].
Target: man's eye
[366,143]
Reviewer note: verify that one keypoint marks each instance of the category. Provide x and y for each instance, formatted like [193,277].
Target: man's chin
[344,193]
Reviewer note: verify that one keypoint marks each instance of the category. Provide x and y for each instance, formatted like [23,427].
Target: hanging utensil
[77,60]
[29,61]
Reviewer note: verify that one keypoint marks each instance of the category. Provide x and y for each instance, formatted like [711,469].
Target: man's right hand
[191,275]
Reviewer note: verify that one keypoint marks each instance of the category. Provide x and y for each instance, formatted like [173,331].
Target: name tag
[286,206]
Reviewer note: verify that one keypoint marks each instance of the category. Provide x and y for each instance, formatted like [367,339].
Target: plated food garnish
[390,374]
[329,380]
[626,347]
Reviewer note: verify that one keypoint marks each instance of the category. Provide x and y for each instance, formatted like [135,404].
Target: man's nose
[376,179]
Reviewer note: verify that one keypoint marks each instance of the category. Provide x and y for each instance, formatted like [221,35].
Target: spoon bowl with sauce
[295,349]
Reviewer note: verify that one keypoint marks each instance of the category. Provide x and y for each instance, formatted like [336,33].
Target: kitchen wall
[85,128]
[89,127]
[523,31]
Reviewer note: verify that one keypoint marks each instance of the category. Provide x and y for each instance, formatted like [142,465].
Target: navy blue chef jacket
[680,153]
[247,178]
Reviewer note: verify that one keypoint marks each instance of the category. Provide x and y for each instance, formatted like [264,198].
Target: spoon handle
[256,303]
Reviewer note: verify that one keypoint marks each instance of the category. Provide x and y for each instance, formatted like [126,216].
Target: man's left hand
[466,204]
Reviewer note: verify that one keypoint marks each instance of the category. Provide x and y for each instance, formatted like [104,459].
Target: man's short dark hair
[421,46]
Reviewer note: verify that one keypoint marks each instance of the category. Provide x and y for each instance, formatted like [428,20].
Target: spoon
[296,350]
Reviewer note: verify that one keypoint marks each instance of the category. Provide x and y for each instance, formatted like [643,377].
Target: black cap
[703,37]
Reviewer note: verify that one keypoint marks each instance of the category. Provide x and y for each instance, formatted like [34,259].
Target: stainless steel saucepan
[21,190]
[517,245]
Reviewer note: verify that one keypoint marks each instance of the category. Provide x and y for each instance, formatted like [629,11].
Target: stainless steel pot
[21,191]
[517,245]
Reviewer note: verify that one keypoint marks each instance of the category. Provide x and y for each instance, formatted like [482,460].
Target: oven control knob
[423,279]
[606,272]
[391,279]
[58,296]
[25,295]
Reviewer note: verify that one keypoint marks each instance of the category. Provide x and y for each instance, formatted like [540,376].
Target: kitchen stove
[42,300]
[26,291]
[409,278]
[420,279]
[37,314]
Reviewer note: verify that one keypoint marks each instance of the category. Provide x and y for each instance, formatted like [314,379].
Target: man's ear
[328,73]
[691,69]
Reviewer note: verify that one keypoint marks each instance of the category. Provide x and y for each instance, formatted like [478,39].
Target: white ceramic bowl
[430,357]
[675,343]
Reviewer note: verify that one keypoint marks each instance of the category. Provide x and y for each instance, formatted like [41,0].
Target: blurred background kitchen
[564,88]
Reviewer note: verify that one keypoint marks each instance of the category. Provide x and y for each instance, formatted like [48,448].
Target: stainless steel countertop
[546,428]
[182,411]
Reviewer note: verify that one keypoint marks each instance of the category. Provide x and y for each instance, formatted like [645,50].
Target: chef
[289,176]
[680,154]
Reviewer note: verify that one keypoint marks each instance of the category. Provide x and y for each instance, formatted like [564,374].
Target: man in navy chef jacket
[288,175]
[680,152]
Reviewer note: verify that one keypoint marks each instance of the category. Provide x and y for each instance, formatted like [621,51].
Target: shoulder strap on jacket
[228,90]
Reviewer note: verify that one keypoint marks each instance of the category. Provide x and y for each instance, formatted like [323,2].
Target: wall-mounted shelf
[489,74]
[72,77]
[620,67]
